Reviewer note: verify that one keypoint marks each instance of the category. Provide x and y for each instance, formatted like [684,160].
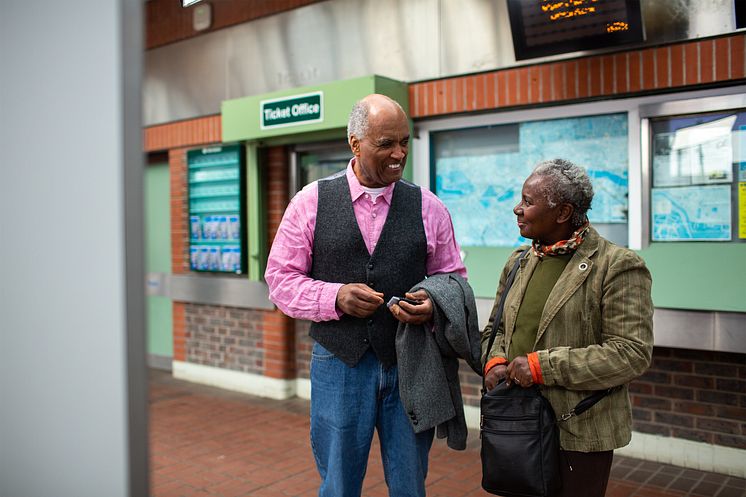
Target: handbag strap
[586,403]
[499,309]
[581,406]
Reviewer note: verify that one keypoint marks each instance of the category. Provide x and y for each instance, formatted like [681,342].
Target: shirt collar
[356,189]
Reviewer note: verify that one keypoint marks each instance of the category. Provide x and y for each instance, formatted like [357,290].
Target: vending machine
[217,206]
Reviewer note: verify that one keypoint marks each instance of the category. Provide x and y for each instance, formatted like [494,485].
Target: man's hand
[358,299]
[494,376]
[414,314]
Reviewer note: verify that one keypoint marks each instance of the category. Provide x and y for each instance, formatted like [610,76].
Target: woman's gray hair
[569,183]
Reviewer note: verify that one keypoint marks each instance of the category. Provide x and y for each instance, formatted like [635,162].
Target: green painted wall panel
[241,116]
[158,257]
[695,276]
[483,267]
[705,276]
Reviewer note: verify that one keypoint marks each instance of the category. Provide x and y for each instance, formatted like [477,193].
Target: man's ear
[565,213]
[355,145]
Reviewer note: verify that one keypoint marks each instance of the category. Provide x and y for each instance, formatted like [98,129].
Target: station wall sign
[293,110]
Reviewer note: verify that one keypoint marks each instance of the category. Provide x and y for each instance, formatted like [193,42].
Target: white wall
[72,374]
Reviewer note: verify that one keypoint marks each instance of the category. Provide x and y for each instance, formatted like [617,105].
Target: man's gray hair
[358,122]
[568,183]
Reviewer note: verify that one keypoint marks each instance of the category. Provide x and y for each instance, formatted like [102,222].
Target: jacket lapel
[574,274]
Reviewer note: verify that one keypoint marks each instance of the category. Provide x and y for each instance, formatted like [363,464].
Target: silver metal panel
[644,218]
[691,106]
[158,285]
[697,330]
[185,79]
[407,40]
[216,290]
[719,331]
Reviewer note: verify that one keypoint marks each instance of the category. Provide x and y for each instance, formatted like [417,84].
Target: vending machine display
[217,200]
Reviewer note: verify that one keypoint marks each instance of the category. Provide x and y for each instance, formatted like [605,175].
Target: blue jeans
[347,404]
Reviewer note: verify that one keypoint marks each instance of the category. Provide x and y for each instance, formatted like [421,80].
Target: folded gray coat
[428,361]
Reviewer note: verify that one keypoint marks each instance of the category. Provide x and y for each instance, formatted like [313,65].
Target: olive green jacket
[596,332]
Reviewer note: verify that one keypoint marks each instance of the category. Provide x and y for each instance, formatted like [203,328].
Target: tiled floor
[208,442]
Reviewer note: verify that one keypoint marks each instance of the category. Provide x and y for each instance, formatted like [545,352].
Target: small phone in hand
[396,300]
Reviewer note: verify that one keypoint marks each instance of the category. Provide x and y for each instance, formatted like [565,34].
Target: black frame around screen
[524,51]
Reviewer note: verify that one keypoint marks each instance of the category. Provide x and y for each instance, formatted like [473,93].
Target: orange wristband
[535,366]
[494,362]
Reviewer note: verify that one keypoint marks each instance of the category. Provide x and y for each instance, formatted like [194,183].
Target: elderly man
[347,244]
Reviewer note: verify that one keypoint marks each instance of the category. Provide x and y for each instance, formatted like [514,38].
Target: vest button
[370,266]
[365,340]
[370,284]
[370,322]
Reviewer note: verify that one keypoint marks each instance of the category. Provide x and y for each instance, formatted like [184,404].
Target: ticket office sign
[292,111]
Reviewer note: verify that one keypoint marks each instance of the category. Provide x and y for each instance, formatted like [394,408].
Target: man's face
[380,156]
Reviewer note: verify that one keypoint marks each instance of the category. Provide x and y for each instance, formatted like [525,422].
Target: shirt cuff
[533,364]
[495,361]
[328,302]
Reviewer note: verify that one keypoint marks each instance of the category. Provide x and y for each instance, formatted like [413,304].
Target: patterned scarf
[563,246]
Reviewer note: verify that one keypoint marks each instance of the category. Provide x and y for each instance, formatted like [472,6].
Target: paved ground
[209,442]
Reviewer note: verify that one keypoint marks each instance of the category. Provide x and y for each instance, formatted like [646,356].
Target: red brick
[571,79]
[558,89]
[483,89]
[491,91]
[693,408]
[534,84]
[662,60]
[472,92]
[722,59]
[523,85]
[595,73]
[634,59]
[691,63]
[583,77]
[608,75]
[502,88]
[707,61]
[648,75]
[737,54]
[413,104]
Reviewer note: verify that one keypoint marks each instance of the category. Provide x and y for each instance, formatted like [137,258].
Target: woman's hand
[519,372]
[494,376]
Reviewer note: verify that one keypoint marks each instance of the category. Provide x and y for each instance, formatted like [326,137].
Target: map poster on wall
[696,155]
[692,213]
[480,191]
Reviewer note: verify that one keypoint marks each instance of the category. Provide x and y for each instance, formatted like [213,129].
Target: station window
[479,173]
[698,177]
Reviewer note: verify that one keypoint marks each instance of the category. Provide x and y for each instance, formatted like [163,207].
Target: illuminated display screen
[548,27]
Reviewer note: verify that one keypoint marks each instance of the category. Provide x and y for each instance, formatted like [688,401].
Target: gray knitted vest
[398,262]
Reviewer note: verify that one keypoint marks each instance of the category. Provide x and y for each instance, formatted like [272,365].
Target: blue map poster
[481,191]
[692,213]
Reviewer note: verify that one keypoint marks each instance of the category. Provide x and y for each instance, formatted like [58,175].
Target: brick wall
[166,21]
[700,63]
[692,394]
[224,337]
[303,346]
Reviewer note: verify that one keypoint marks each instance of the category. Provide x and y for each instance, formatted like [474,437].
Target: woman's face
[536,219]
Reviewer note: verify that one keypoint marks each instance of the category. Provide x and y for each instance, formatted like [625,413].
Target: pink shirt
[298,295]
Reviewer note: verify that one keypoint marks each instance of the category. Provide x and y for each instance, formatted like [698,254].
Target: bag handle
[581,406]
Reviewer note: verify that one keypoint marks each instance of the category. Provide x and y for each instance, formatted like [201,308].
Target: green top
[542,281]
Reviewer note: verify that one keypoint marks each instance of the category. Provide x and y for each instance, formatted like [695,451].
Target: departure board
[549,27]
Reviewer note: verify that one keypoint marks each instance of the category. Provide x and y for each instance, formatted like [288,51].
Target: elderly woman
[578,318]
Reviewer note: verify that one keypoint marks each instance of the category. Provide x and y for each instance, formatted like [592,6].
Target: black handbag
[519,431]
